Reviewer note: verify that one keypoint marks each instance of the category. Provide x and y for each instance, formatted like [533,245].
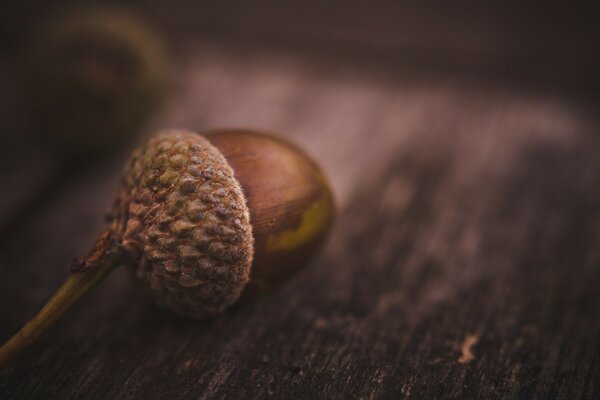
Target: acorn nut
[201,219]
[93,77]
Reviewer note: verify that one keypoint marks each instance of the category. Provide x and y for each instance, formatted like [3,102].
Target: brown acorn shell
[183,220]
[290,201]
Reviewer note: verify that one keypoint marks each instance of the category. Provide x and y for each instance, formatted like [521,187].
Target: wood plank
[464,262]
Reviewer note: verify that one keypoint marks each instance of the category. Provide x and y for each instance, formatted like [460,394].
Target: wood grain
[464,263]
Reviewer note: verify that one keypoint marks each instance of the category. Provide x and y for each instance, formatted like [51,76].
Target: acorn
[201,219]
[92,78]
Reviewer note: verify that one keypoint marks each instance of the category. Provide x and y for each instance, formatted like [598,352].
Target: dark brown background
[462,144]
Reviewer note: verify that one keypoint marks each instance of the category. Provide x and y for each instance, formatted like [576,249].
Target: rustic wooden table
[465,262]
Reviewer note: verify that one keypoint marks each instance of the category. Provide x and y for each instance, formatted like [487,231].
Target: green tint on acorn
[93,77]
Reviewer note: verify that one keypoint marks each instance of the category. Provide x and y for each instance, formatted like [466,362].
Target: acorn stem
[79,282]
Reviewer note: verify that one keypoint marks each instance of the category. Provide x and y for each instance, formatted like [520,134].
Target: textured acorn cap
[182,218]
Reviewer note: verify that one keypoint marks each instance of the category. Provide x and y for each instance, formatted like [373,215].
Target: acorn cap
[185,224]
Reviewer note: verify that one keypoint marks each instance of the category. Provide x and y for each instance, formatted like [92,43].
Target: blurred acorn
[93,78]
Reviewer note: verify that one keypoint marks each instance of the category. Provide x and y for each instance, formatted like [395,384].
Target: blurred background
[259,63]
[460,139]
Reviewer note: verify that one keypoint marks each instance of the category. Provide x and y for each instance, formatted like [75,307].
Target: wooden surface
[465,262]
